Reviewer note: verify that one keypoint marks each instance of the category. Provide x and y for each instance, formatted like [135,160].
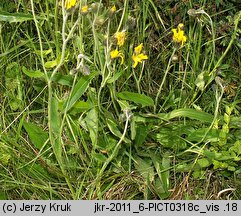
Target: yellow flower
[117,54]
[69,4]
[178,35]
[138,57]
[138,49]
[120,37]
[85,9]
[113,9]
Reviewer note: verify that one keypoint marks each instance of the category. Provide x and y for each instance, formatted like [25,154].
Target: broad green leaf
[44,52]
[79,89]
[36,134]
[66,80]
[136,98]
[236,148]
[15,17]
[171,136]
[162,184]
[114,129]
[51,64]
[145,168]
[203,162]
[199,174]
[141,134]
[32,73]
[91,121]
[13,84]
[54,121]
[198,135]
[161,165]
[12,71]
[217,155]
[160,190]
[189,113]
[184,167]
[123,104]
[80,106]
[99,157]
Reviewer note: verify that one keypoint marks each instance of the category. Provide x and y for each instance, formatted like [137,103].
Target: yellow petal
[120,36]
[84,9]
[138,59]
[117,54]
[114,54]
[69,4]
[113,9]
[138,49]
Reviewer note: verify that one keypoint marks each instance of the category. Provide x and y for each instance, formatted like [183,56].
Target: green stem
[115,151]
[163,80]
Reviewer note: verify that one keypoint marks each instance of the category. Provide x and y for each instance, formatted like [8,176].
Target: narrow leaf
[15,17]
[79,90]
[187,112]
[136,98]
[54,121]
[32,73]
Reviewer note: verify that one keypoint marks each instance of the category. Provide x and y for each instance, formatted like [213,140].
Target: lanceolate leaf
[187,112]
[79,90]
[54,127]
[136,98]
[32,73]
[36,134]
[15,17]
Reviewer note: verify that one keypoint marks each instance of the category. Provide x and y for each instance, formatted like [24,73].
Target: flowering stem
[40,40]
[137,82]
[163,80]
[54,135]
[123,14]
[116,149]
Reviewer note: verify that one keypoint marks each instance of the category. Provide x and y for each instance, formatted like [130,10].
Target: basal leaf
[32,73]
[15,17]
[79,90]
[51,64]
[114,129]
[136,98]
[36,134]
[189,113]
[145,168]
[65,80]
[92,120]
[54,123]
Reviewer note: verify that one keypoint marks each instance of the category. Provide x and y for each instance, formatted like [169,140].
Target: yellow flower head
[85,9]
[117,54]
[138,49]
[120,37]
[69,4]
[138,57]
[178,35]
[113,9]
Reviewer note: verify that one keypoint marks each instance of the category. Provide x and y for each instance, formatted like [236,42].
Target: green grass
[76,124]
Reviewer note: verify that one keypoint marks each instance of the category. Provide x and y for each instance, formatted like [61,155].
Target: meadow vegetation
[120,99]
